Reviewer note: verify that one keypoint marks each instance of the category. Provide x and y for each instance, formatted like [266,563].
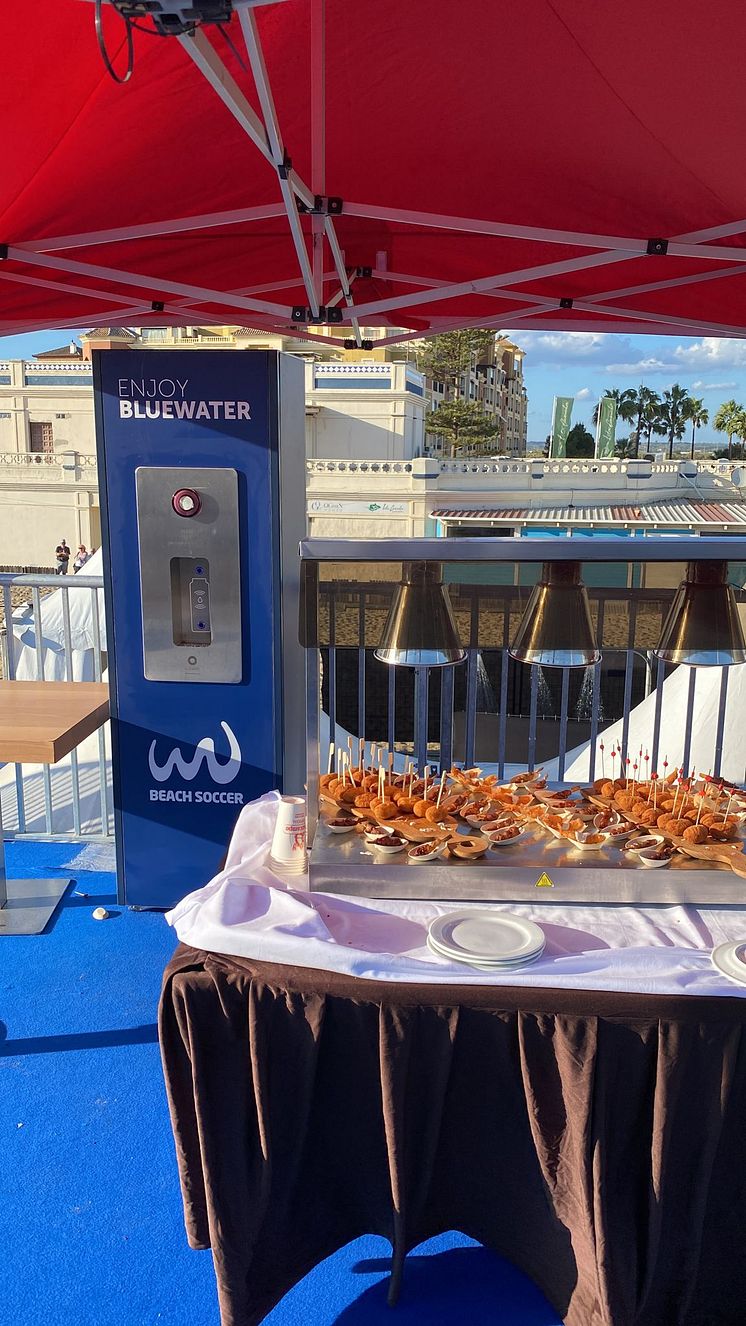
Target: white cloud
[585,394]
[553,347]
[713,386]
[641,368]
[713,352]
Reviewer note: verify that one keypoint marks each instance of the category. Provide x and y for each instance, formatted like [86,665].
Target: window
[42,438]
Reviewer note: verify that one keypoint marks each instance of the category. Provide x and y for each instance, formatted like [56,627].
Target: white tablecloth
[246,911]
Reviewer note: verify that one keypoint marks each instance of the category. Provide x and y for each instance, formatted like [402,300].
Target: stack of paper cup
[287,854]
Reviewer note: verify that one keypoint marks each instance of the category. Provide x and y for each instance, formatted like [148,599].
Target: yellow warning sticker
[544,882]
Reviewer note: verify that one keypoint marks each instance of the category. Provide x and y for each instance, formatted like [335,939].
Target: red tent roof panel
[552,142]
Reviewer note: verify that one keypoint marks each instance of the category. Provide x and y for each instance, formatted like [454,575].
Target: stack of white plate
[489,940]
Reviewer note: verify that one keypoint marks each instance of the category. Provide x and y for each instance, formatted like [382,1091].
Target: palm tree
[625,404]
[673,411]
[651,420]
[729,419]
[640,398]
[698,416]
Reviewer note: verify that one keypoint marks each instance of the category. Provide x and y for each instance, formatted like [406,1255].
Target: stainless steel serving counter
[344,863]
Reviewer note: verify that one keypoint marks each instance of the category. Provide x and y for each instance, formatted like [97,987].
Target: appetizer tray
[564,850]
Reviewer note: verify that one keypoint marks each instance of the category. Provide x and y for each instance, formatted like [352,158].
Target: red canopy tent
[413,163]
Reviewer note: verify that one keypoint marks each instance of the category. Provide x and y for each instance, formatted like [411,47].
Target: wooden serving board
[417,830]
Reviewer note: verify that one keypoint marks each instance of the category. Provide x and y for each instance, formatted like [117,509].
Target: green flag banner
[561,416]
[606,427]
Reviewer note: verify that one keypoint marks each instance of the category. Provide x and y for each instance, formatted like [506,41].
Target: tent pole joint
[322,206]
[657,248]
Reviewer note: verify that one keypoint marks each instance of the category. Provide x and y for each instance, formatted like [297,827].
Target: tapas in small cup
[388,844]
[505,835]
[372,831]
[342,824]
[482,816]
[620,830]
[644,842]
[425,852]
[501,822]
[589,841]
[653,858]
[468,846]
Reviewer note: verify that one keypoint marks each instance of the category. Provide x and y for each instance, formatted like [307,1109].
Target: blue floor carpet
[91,1231]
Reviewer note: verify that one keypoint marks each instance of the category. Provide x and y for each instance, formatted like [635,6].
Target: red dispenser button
[186,502]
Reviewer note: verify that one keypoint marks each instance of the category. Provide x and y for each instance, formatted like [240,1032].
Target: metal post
[46,774]
[74,778]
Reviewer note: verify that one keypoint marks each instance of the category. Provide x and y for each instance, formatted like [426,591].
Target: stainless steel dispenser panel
[190,569]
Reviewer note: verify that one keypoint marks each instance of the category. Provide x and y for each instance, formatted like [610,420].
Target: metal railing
[520,721]
[73,800]
[529,467]
[495,711]
[53,466]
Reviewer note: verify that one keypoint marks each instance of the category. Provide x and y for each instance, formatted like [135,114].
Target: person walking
[81,557]
[62,554]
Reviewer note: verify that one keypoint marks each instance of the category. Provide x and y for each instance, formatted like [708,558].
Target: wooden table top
[40,721]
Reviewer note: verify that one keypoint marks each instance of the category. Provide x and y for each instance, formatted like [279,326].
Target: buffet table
[596,1137]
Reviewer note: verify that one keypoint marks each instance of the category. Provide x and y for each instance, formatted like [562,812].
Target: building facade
[429,497]
[48,484]
[514,397]
[494,381]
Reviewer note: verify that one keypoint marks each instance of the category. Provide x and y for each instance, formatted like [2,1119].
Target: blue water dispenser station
[202,473]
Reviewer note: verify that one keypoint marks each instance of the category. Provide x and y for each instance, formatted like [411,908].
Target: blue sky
[579,364]
[585,364]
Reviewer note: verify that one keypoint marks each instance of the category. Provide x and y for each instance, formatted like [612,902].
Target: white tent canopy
[706,728]
[82,625]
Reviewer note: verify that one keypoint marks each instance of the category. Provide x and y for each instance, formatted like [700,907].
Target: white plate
[730,959]
[486,936]
[484,966]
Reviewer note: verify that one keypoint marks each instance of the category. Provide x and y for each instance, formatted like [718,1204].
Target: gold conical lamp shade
[703,628]
[556,630]
[421,631]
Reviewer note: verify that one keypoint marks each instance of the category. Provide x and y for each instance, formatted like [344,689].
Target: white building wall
[33,519]
[66,403]
[346,417]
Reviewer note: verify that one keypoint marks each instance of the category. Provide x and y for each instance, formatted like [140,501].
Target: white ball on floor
[100,914]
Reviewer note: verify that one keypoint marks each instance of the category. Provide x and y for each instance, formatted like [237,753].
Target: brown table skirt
[597,1140]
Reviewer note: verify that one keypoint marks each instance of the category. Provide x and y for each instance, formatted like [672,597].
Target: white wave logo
[188,769]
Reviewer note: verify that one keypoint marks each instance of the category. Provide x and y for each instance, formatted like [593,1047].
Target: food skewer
[442,785]
[330,760]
